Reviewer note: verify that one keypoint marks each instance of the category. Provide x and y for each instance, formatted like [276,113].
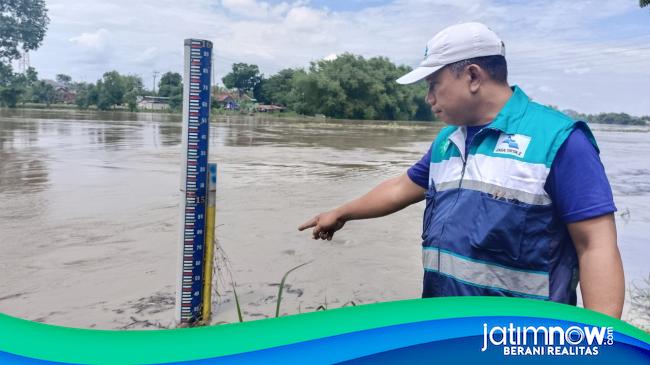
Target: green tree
[14,86]
[93,94]
[30,78]
[355,88]
[6,74]
[277,89]
[133,87]
[115,89]
[131,100]
[64,79]
[9,95]
[23,24]
[86,94]
[176,101]
[102,97]
[644,3]
[317,94]
[606,118]
[170,84]
[31,75]
[43,92]
[243,77]
[112,91]
[132,82]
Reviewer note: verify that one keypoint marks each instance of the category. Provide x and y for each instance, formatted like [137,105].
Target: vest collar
[506,121]
[510,115]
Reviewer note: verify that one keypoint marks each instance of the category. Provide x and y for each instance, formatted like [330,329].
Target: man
[517,201]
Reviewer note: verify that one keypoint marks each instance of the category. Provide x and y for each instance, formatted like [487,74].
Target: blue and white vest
[489,226]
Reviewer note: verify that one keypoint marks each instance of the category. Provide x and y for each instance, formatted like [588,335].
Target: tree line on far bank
[351,87]
[113,89]
[348,87]
[608,118]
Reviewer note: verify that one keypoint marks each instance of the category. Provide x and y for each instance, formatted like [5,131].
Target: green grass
[234,290]
[284,278]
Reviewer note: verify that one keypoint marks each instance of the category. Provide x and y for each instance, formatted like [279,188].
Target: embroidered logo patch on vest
[444,147]
[512,144]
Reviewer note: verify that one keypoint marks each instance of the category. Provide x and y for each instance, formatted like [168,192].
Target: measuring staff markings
[196,108]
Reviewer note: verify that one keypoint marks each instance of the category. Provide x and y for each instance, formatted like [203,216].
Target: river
[89,213]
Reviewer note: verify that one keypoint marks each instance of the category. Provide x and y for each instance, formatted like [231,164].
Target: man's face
[449,97]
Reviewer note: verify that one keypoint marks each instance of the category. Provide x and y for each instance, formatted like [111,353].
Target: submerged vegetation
[640,304]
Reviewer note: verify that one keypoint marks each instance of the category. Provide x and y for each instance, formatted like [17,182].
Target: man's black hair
[495,66]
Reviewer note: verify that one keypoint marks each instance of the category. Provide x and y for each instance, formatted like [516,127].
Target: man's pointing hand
[325,224]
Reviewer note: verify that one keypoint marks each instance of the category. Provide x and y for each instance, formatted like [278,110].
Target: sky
[590,56]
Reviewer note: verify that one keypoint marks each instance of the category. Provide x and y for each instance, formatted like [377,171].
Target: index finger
[310,223]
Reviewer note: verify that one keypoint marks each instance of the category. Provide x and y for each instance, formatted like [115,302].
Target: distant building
[153,103]
[231,100]
[269,108]
[226,101]
[64,93]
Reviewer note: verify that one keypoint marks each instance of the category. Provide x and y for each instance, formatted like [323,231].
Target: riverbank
[215,114]
[291,115]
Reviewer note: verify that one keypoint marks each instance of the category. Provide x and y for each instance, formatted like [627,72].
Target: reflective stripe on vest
[485,274]
[524,181]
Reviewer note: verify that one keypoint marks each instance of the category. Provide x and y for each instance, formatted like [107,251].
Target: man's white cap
[456,43]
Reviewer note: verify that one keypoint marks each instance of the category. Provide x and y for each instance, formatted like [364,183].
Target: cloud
[577,70]
[147,56]
[249,8]
[97,40]
[255,9]
[92,48]
[545,41]
[546,89]
[304,18]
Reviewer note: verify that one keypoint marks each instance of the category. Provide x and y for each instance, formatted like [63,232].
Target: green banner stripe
[64,344]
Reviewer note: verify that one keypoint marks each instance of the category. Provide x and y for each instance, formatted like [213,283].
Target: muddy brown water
[89,213]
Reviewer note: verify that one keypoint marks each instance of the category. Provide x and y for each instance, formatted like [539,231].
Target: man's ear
[475,77]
